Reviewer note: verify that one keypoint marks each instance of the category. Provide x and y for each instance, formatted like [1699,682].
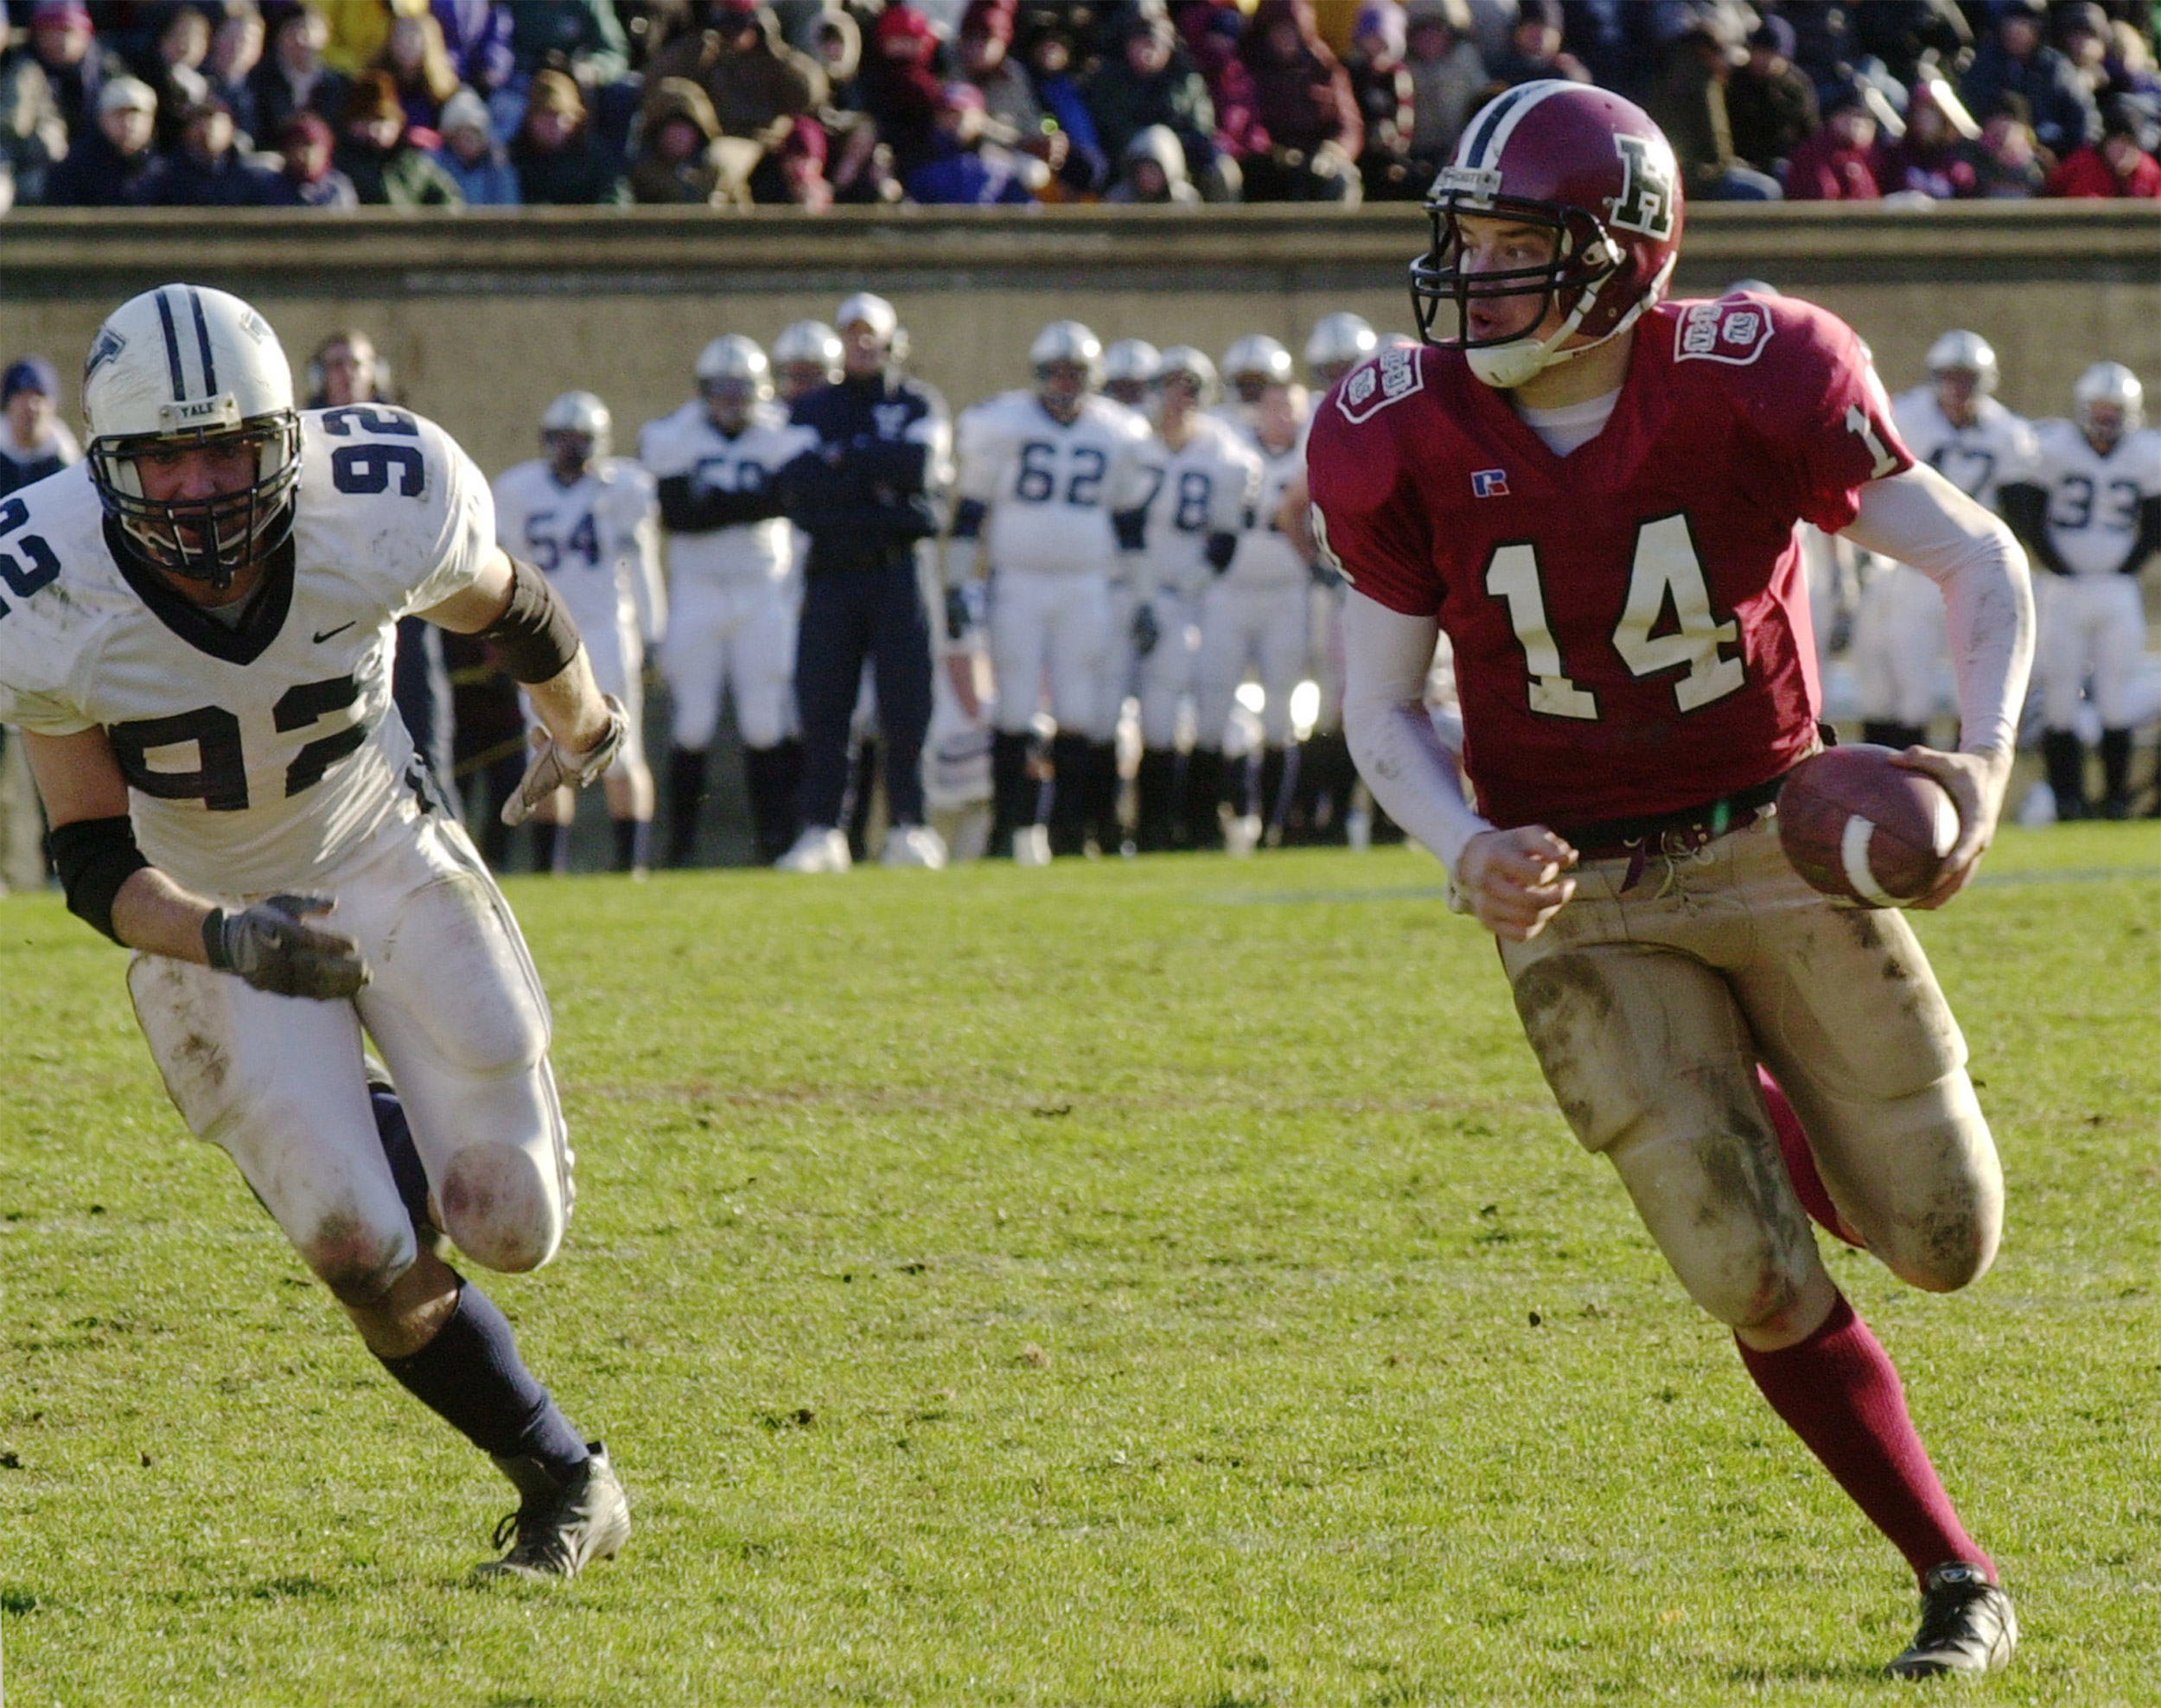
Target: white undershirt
[1572,426]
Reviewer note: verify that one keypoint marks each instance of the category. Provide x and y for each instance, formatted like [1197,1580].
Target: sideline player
[731,590]
[198,645]
[2092,518]
[1258,612]
[1954,425]
[1206,479]
[591,521]
[1051,482]
[1596,495]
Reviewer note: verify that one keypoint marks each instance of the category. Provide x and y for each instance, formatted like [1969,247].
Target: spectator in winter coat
[294,76]
[1145,79]
[1447,72]
[1838,163]
[388,168]
[754,83]
[558,159]
[1930,159]
[64,45]
[1211,35]
[2006,160]
[1380,84]
[33,129]
[581,38]
[1087,167]
[1155,171]
[476,36]
[793,174]
[2121,163]
[1687,100]
[116,165]
[1534,49]
[419,64]
[208,170]
[472,158]
[1303,99]
[1013,117]
[901,87]
[1770,103]
[961,169]
[679,160]
[2015,60]
[236,50]
[174,68]
[308,180]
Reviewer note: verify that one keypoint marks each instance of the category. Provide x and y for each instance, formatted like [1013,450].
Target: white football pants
[2090,625]
[1265,626]
[1048,630]
[732,636]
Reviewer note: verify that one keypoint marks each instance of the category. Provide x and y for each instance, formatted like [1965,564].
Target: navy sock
[471,1376]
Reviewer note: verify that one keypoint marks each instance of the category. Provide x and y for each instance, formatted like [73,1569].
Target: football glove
[275,947]
[1146,630]
[958,615]
[555,766]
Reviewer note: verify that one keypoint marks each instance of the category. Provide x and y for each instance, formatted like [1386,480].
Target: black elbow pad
[967,517]
[1132,529]
[95,856]
[1221,548]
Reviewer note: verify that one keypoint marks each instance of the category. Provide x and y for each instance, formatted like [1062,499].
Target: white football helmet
[579,415]
[1962,352]
[884,321]
[1067,360]
[1338,343]
[1129,368]
[177,367]
[1254,362]
[2109,402]
[1184,362]
[737,361]
[807,355]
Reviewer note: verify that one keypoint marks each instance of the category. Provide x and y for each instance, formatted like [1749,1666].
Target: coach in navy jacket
[864,494]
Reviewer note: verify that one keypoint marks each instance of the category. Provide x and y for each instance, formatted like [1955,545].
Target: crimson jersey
[1630,621]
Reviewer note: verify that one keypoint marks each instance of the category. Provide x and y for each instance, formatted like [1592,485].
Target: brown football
[1855,826]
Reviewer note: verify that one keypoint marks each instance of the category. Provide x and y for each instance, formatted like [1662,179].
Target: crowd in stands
[810,103]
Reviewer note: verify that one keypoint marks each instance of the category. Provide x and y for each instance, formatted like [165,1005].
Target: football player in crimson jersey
[1595,493]
[198,647]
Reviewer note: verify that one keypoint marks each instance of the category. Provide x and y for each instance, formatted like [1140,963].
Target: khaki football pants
[1648,1008]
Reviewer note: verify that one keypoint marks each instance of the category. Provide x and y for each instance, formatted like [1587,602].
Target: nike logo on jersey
[325,633]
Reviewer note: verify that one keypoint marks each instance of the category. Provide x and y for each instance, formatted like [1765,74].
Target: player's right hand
[1146,630]
[275,947]
[1512,882]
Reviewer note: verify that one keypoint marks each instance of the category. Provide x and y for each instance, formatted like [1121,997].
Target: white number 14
[1665,576]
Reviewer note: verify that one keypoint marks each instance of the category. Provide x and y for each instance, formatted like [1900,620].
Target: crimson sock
[1801,1163]
[1838,1391]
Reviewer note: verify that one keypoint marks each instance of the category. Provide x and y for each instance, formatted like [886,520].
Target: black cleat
[560,1525]
[1967,1626]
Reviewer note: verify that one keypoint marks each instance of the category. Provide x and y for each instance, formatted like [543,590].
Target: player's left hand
[1976,783]
[555,766]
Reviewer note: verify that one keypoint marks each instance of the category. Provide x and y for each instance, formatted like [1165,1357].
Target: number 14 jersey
[255,754]
[1630,622]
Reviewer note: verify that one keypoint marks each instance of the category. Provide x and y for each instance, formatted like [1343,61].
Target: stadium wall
[488,315]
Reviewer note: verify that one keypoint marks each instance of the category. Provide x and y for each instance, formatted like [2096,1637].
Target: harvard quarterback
[1595,493]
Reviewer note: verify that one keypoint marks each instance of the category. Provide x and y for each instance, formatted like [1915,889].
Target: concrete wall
[486,316]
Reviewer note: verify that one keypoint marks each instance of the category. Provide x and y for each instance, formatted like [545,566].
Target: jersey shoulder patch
[1735,331]
[1388,378]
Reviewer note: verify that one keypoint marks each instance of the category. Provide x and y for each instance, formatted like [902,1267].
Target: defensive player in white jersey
[1250,365]
[1129,366]
[2090,510]
[1052,482]
[1257,613]
[197,644]
[1204,480]
[732,590]
[1954,425]
[591,521]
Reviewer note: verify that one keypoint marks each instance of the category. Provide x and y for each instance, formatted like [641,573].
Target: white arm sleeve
[1921,518]
[1399,753]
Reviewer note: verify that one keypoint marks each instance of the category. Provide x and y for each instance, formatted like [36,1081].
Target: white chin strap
[1505,367]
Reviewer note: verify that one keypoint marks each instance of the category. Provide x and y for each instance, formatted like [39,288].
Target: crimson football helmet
[1591,168]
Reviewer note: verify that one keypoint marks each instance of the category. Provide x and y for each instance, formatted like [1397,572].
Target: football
[1856,826]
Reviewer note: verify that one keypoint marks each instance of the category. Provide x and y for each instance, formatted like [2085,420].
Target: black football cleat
[1967,1626]
[563,1525]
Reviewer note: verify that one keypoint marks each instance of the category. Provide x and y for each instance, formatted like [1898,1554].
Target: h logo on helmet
[1646,203]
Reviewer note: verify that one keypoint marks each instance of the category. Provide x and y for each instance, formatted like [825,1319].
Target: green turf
[1157,1283]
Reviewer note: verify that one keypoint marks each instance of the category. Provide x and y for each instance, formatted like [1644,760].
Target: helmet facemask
[204,539]
[1582,258]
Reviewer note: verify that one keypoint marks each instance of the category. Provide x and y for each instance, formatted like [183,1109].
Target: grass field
[1165,1283]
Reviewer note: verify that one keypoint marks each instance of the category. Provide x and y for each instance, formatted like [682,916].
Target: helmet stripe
[1473,152]
[202,342]
[1519,101]
[172,347]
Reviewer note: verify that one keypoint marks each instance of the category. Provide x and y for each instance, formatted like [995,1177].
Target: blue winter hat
[29,373]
